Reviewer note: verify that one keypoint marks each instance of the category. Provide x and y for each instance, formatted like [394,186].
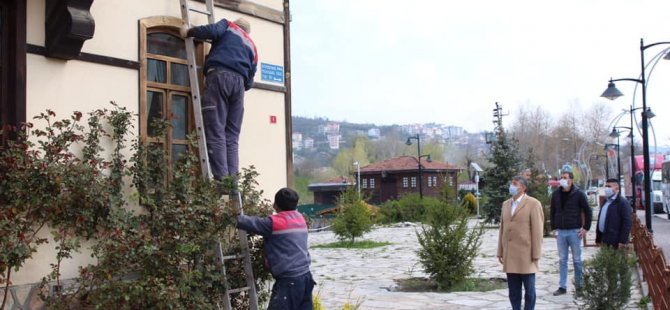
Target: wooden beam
[252,9]
[287,96]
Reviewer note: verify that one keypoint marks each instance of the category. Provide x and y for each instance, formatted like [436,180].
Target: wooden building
[393,178]
[327,192]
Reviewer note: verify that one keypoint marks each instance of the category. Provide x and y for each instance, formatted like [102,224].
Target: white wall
[67,86]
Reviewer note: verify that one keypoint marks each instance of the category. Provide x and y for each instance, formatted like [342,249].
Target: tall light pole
[418,159]
[616,133]
[477,171]
[606,148]
[612,93]
[358,177]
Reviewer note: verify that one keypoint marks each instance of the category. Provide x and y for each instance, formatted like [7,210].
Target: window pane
[179,74]
[156,71]
[177,151]
[166,44]
[179,117]
[154,110]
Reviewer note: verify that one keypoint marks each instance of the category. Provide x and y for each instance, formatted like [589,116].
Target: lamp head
[649,114]
[409,141]
[429,158]
[611,92]
[614,133]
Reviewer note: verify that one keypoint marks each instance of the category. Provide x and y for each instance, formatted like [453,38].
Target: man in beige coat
[520,242]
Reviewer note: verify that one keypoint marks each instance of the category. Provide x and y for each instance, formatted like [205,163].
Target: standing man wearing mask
[570,221]
[614,219]
[520,242]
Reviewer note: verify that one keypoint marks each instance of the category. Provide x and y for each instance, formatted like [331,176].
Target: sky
[448,62]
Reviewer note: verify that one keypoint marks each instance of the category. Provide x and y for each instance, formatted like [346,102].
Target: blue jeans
[222,113]
[292,293]
[514,282]
[569,238]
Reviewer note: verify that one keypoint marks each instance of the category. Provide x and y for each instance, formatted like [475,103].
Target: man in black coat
[570,221]
[614,219]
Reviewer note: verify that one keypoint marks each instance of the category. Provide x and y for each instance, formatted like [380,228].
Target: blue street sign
[272,73]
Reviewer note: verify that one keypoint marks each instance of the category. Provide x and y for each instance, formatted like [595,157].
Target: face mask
[513,190]
[563,183]
[609,192]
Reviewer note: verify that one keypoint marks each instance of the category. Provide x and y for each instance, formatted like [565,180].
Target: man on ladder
[229,70]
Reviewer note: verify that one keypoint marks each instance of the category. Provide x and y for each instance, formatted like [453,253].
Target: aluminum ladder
[250,287]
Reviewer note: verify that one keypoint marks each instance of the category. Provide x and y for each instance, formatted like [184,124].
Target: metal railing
[655,270]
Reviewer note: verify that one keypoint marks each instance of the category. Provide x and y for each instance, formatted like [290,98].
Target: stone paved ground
[367,276]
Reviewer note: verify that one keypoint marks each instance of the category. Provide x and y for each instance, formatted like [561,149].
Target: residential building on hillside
[452,132]
[393,178]
[308,143]
[78,55]
[297,141]
[331,128]
[334,142]
[374,133]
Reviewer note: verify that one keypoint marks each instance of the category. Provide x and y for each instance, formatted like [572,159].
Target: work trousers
[222,113]
[292,293]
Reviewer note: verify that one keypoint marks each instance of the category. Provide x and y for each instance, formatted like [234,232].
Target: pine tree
[505,160]
[538,187]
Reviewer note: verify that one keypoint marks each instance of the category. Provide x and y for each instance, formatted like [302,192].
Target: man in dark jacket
[229,71]
[614,219]
[286,252]
[570,217]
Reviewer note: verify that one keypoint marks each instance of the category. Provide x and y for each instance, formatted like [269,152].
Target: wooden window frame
[170,25]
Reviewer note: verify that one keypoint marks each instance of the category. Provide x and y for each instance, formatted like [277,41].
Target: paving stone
[348,275]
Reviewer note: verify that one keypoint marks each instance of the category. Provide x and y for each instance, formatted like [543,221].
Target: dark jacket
[285,235]
[569,215]
[618,223]
[232,49]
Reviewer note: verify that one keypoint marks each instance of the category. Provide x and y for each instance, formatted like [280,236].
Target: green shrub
[161,257]
[547,220]
[470,203]
[409,208]
[607,282]
[448,245]
[354,218]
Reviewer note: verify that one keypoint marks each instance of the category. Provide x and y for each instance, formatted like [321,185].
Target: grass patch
[363,244]
[468,285]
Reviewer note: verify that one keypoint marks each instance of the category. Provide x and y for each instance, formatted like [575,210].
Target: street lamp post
[612,93]
[358,177]
[606,149]
[418,159]
[596,156]
[478,169]
[616,133]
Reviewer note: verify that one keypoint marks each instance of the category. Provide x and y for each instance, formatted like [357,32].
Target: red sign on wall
[273,119]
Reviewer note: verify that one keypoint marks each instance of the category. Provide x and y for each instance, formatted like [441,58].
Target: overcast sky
[401,62]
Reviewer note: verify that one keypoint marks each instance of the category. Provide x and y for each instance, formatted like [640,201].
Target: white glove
[183,31]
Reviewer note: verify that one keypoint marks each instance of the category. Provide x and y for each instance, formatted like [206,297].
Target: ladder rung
[238,256]
[238,290]
[208,13]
